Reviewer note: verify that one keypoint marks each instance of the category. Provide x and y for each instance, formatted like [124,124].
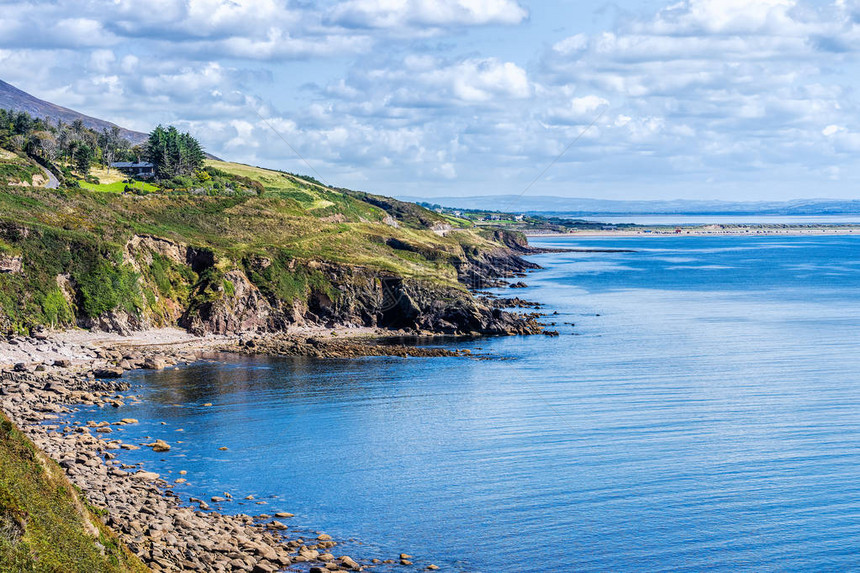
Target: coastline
[709,231]
[53,374]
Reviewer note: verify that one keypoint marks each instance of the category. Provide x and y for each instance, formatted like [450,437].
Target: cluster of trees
[173,154]
[176,156]
[72,143]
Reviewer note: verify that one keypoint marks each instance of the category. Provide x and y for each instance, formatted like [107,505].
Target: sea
[699,410]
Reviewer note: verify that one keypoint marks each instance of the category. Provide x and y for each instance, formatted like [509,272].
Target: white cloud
[727,17]
[388,92]
[426,13]
[832,130]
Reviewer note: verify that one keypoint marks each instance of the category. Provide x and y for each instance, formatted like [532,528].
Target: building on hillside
[137,169]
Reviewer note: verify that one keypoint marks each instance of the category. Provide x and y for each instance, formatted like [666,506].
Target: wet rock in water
[348,563]
[129,421]
[519,285]
[159,446]
[284,514]
[324,537]
[145,476]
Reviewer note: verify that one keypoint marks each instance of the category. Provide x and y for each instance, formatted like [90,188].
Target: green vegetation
[44,526]
[273,226]
[17,171]
[128,186]
[173,154]
[477,218]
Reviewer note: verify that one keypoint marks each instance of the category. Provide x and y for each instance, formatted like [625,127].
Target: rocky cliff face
[150,281]
[241,308]
[230,302]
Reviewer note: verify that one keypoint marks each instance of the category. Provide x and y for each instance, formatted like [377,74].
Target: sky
[690,99]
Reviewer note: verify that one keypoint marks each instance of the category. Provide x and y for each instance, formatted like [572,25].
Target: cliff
[282,252]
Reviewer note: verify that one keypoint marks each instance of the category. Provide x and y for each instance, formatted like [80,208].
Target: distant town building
[137,169]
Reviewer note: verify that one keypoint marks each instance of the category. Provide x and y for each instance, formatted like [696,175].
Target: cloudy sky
[711,99]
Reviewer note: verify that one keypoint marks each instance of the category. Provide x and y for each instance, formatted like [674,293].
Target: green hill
[256,250]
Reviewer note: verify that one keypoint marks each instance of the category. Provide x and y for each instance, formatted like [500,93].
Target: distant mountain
[572,206]
[18,100]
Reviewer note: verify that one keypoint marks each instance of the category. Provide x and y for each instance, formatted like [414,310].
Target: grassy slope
[298,218]
[43,524]
[16,169]
[292,219]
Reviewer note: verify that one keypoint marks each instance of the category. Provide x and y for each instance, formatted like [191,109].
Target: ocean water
[702,411]
[717,219]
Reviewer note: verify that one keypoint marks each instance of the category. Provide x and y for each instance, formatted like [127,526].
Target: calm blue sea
[702,411]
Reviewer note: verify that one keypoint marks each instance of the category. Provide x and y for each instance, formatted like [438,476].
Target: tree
[112,145]
[83,158]
[42,144]
[173,153]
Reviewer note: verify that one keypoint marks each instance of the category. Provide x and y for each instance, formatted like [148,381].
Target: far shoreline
[714,230]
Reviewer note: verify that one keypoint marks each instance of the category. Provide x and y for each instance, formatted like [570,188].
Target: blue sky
[697,99]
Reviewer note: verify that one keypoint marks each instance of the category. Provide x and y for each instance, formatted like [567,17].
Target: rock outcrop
[11,264]
[241,308]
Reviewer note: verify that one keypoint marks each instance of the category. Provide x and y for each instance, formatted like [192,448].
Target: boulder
[108,372]
[348,563]
[159,446]
[154,363]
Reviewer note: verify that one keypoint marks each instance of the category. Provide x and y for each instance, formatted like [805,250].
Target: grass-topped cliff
[254,250]
[44,525]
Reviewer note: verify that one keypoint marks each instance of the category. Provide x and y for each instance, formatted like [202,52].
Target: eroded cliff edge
[250,263]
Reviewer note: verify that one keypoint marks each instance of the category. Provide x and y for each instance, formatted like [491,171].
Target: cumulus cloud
[698,91]
[426,13]
[744,84]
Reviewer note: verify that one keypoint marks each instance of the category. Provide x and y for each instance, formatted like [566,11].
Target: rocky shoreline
[140,506]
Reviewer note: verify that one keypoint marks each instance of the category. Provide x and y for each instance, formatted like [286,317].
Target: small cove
[701,411]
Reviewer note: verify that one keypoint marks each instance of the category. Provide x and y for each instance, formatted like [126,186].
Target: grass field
[310,195]
[106,177]
[118,186]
